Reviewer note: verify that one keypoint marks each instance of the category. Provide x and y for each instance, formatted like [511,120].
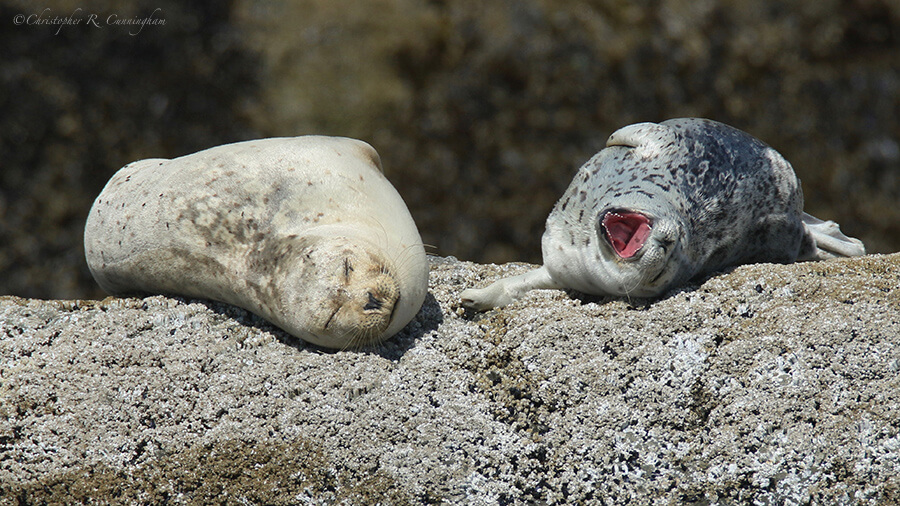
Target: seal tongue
[626,231]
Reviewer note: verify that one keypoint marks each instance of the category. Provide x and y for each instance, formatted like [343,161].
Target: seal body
[305,232]
[664,203]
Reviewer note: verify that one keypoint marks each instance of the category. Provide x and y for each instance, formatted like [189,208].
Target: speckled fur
[287,228]
[723,197]
[715,196]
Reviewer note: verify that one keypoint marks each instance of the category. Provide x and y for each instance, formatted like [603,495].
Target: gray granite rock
[769,384]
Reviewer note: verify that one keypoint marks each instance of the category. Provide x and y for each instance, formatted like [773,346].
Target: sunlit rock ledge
[773,384]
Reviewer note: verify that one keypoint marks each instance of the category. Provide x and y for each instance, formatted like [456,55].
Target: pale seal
[665,203]
[305,232]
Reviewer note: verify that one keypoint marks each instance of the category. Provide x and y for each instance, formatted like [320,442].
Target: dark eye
[373,304]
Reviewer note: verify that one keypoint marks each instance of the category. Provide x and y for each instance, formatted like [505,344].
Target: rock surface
[768,384]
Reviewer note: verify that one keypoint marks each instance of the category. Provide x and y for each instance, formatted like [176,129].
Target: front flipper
[830,242]
[507,290]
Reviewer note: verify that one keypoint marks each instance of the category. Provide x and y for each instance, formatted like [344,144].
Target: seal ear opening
[626,231]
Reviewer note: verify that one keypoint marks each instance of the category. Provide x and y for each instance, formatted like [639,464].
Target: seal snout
[626,231]
[374,303]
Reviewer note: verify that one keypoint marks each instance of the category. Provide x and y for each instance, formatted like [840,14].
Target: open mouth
[626,231]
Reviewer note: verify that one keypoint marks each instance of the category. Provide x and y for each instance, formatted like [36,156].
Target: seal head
[627,253]
[340,293]
[609,233]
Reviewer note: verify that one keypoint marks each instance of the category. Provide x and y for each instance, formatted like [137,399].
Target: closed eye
[333,313]
[348,267]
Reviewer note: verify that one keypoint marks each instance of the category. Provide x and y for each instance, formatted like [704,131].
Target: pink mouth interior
[626,231]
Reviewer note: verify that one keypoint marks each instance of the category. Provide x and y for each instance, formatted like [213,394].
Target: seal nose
[373,304]
[626,231]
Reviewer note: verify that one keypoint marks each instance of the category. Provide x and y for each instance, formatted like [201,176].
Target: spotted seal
[665,203]
[305,232]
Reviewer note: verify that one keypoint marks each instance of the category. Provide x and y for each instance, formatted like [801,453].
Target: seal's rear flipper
[829,240]
[506,290]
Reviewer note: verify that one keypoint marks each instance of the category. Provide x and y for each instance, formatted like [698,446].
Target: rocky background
[766,385]
[481,111]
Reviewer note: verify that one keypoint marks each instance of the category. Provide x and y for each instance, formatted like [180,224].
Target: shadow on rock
[427,320]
